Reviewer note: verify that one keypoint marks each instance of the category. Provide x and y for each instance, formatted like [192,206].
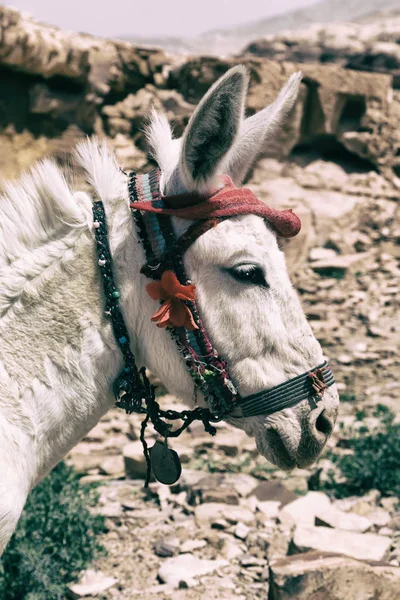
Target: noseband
[164,253]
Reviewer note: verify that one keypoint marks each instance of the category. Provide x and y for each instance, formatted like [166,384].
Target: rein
[164,265]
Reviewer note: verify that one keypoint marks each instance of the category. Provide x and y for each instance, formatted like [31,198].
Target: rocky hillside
[370,46]
[336,163]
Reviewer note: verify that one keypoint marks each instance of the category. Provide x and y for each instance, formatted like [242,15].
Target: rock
[394,523]
[370,45]
[165,548]
[97,434]
[270,508]
[338,263]
[185,567]
[207,514]
[215,487]
[225,495]
[191,545]
[333,517]
[91,583]
[379,517]
[277,543]
[274,490]
[85,462]
[241,531]
[243,484]
[111,510]
[231,549]
[362,546]
[248,560]
[316,575]
[112,465]
[304,510]
[134,460]
[321,254]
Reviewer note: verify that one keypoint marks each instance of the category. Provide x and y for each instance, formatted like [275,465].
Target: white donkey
[58,355]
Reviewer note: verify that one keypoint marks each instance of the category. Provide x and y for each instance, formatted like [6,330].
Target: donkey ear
[212,129]
[258,128]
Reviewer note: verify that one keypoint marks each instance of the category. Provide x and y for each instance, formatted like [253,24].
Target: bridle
[164,252]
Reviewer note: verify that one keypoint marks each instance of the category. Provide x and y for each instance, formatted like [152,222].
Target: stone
[248,560]
[331,516]
[231,549]
[321,254]
[222,494]
[185,567]
[83,462]
[134,460]
[317,575]
[241,531]
[97,434]
[379,517]
[362,546]
[207,514]
[275,491]
[277,543]
[165,548]
[304,509]
[338,263]
[191,545]
[112,465]
[91,583]
[243,484]
[270,508]
[394,523]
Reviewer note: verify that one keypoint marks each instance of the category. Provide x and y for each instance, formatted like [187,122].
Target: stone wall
[58,86]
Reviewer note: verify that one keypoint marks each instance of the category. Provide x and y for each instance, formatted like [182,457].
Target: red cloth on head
[229,201]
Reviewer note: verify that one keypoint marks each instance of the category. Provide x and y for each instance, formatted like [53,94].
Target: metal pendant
[165,463]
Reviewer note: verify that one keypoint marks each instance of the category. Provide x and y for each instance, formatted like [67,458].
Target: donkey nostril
[324,424]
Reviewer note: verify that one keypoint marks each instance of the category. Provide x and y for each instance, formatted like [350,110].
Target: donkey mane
[41,218]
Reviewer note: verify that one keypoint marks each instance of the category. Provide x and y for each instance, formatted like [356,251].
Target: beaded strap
[129,388]
[133,391]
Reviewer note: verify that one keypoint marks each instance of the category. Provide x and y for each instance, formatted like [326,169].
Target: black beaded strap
[130,388]
[133,390]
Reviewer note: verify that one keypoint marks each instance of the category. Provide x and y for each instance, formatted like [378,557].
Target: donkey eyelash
[248,273]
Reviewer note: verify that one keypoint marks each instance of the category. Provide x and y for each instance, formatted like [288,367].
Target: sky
[152,17]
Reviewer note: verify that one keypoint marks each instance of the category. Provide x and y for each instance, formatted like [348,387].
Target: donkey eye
[248,274]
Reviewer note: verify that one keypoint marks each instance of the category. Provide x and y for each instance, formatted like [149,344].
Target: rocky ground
[243,530]
[235,527]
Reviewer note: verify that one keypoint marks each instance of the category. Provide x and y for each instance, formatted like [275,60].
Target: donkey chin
[293,437]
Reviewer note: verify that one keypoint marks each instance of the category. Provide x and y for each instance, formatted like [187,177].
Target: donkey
[58,355]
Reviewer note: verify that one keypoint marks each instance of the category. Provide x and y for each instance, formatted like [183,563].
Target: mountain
[232,40]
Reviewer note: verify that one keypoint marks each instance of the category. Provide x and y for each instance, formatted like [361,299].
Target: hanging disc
[165,463]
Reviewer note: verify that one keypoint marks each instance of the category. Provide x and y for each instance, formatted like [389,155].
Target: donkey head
[245,298]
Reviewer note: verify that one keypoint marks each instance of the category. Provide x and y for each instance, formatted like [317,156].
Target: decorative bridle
[178,312]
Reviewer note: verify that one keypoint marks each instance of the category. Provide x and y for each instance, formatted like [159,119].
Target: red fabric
[226,202]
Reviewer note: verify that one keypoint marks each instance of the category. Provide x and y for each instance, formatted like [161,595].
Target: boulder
[185,567]
[362,546]
[317,575]
[91,583]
